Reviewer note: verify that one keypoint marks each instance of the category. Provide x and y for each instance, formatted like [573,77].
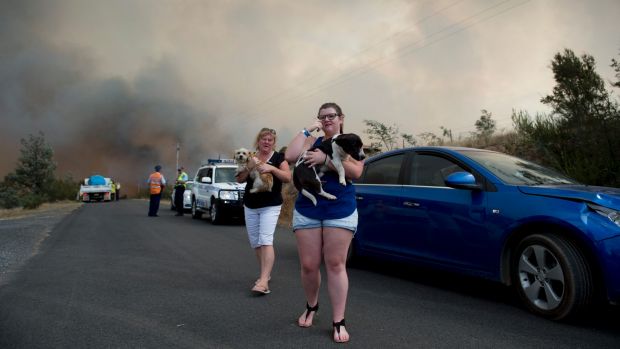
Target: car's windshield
[517,171]
[225,174]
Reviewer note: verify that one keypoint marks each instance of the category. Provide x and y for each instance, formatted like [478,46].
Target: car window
[201,173]
[383,171]
[431,170]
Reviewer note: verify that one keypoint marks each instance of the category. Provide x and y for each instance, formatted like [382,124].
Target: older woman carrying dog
[262,208]
[325,231]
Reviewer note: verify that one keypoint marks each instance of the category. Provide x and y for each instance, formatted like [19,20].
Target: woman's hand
[316,126]
[251,163]
[315,158]
[264,168]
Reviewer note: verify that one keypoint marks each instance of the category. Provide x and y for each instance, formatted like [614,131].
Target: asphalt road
[108,276]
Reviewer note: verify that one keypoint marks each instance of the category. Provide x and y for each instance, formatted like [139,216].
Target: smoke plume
[113,126]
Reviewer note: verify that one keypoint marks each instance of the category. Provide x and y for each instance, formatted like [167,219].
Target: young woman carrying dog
[325,231]
[262,209]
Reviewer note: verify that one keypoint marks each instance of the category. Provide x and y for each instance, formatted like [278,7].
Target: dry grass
[16,213]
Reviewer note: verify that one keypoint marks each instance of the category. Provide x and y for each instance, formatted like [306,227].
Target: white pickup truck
[96,188]
[215,191]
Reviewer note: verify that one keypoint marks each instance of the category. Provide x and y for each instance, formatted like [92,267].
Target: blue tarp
[96,180]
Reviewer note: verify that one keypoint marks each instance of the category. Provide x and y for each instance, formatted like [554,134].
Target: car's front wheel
[195,213]
[214,212]
[551,276]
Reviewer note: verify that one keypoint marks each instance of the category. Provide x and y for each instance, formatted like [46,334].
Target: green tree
[581,135]
[382,137]
[408,140]
[36,166]
[430,138]
[447,133]
[485,126]
[616,65]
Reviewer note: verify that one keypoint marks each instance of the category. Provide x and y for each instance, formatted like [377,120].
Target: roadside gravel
[22,231]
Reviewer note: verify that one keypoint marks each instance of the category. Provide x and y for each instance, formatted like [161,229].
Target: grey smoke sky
[114,84]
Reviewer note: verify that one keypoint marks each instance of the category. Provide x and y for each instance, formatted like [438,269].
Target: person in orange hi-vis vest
[156,183]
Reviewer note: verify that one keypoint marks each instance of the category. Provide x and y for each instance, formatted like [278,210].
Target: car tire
[214,213]
[195,213]
[551,276]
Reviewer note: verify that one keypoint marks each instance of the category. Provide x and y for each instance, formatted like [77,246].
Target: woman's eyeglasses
[329,117]
[265,129]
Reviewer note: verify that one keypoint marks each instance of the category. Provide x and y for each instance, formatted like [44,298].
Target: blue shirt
[342,207]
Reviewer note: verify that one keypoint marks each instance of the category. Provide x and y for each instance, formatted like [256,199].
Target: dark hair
[338,111]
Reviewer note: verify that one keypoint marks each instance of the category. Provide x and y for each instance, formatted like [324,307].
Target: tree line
[579,137]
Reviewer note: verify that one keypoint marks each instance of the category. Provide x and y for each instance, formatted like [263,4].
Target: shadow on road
[603,317]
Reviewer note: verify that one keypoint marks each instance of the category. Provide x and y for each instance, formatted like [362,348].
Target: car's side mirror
[462,180]
[206,180]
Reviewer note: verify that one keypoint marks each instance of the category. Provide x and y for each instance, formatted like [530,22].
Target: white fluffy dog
[262,181]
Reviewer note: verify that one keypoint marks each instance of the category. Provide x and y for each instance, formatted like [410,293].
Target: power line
[407,49]
[350,58]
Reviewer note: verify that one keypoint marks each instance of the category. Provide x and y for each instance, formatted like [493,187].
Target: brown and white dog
[263,182]
[308,181]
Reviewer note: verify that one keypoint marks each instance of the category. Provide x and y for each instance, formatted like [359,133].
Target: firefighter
[156,183]
[179,190]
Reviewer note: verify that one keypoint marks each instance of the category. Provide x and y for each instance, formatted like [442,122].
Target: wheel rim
[541,277]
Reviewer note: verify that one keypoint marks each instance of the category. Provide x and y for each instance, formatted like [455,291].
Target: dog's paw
[328,196]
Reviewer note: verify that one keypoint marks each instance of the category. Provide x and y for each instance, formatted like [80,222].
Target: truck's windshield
[225,174]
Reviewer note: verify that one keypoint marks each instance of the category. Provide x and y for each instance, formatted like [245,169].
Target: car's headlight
[229,195]
[611,214]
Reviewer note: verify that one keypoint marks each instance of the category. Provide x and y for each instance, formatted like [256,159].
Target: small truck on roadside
[96,188]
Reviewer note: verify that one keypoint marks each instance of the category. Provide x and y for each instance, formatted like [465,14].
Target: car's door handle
[411,204]
[357,197]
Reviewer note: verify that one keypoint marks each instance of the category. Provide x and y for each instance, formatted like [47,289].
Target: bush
[32,201]
[62,189]
[9,197]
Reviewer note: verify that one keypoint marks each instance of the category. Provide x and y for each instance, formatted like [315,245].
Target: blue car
[495,216]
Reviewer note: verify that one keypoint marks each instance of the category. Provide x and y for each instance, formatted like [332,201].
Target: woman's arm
[282,172]
[242,176]
[300,143]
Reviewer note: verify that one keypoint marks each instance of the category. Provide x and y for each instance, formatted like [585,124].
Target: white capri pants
[261,224]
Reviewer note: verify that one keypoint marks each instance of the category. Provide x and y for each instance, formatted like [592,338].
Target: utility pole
[178,149]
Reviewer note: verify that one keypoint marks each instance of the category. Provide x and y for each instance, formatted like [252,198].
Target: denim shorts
[302,222]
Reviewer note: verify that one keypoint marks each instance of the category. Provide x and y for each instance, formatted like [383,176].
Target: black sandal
[337,328]
[309,310]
